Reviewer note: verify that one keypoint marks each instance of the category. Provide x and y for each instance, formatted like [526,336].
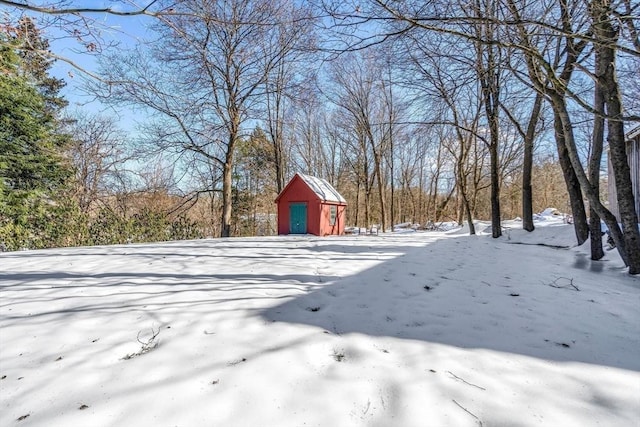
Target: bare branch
[53,10]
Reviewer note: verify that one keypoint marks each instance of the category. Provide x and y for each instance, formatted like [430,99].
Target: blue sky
[123,32]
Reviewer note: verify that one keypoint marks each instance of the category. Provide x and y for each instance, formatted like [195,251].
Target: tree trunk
[496,227]
[227,175]
[467,211]
[355,220]
[275,112]
[607,36]
[571,180]
[431,209]
[491,93]
[279,165]
[488,69]
[595,229]
[464,208]
[225,229]
[392,207]
[367,205]
[594,199]
[378,172]
[527,190]
[391,162]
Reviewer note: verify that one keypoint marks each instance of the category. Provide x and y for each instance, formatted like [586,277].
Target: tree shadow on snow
[459,292]
[454,291]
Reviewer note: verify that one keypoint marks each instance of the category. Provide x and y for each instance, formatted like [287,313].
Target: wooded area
[416,111]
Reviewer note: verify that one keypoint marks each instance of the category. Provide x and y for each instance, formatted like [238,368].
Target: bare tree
[547,80]
[307,132]
[569,27]
[606,33]
[527,130]
[555,86]
[595,157]
[445,78]
[461,141]
[285,81]
[354,164]
[490,71]
[390,130]
[360,94]
[82,26]
[97,155]
[205,77]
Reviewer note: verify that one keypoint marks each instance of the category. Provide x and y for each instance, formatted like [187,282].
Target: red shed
[310,205]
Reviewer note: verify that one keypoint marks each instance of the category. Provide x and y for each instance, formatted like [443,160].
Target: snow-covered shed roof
[322,188]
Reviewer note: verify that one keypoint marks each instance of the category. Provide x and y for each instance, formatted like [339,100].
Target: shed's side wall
[633,151]
[326,228]
[342,214]
[633,154]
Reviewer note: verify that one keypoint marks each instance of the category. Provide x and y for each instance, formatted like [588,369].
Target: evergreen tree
[35,63]
[33,173]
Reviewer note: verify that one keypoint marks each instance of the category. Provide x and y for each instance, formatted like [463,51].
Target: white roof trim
[322,188]
[633,133]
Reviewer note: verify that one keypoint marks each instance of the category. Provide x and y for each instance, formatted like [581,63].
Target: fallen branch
[464,381]
[468,412]
[569,285]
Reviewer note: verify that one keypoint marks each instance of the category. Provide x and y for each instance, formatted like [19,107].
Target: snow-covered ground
[400,329]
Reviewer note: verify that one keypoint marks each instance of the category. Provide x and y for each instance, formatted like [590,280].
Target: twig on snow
[147,345]
[569,285]
[468,412]
[464,381]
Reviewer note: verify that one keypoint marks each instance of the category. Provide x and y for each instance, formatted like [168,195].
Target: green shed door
[298,218]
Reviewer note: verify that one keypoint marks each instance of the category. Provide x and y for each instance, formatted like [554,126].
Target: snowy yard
[402,329]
